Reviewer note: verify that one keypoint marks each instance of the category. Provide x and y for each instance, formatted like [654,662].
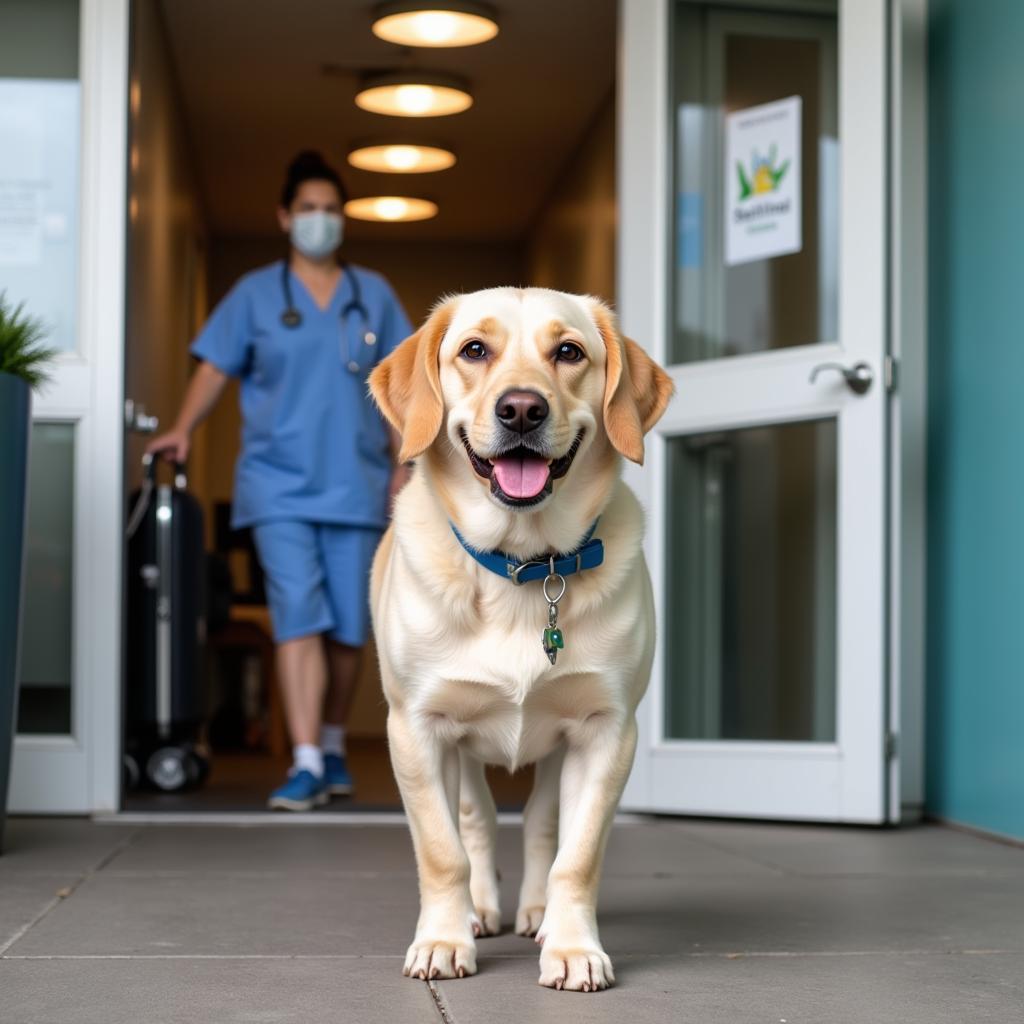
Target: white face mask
[317,233]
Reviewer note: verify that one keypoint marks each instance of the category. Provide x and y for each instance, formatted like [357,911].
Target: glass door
[766,481]
[63,104]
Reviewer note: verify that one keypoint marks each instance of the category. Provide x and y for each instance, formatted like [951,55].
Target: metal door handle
[858,377]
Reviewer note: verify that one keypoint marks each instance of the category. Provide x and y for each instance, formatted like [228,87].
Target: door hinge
[890,371]
[137,419]
[892,742]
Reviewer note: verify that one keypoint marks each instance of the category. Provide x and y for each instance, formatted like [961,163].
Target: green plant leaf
[22,352]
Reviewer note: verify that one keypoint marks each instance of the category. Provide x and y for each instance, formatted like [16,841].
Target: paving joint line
[439,1003]
[331,819]
[66,892]
[25,928]
[631,957]
[115,852]
[776,869]
[203,956]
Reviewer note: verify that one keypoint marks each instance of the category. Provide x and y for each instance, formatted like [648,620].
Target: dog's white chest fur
[472,659]
[504,701]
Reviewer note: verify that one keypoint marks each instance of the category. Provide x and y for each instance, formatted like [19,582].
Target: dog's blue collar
[588,555]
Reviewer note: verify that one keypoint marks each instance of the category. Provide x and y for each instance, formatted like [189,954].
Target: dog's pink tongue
[519,477]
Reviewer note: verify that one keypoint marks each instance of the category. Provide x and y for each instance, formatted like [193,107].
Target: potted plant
[23,368]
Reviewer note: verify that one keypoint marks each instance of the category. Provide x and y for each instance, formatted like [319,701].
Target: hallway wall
[166,266]
[975,751]
[420,272]
[571,244]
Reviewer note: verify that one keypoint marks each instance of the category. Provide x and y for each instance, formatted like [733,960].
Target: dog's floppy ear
[636,388]
[407,385]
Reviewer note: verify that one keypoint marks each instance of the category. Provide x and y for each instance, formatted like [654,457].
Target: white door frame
[833,788]
[908,332]
[81,772]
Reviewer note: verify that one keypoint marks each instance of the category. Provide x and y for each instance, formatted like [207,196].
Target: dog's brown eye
[569,353]
[474,350]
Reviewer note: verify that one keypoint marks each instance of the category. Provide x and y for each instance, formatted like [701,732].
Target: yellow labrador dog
[513,610]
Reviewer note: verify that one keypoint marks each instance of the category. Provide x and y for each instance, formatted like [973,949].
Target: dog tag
[553,640]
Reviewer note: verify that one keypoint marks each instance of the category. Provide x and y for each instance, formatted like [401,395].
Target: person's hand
[173,446]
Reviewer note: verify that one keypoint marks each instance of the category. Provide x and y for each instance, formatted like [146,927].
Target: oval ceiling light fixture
[401,157]
[414,94]
[392,209]
[435,23]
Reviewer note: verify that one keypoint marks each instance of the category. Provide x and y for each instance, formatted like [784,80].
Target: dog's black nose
[521,411]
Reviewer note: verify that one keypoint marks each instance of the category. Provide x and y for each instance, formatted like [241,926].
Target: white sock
[332,739]
[308,758]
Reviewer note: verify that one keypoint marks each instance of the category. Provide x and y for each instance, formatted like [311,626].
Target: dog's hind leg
[540,841]
[478,826]
[427,770]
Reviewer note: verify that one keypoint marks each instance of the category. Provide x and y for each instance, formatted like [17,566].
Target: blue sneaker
[337,780]
[302,791]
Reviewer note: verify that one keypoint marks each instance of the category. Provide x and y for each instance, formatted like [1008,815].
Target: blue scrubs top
[314,446]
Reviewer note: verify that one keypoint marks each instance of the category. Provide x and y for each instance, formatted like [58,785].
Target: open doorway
[222,96]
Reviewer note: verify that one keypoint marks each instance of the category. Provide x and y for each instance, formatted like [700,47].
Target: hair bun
[309,165]
[307,160]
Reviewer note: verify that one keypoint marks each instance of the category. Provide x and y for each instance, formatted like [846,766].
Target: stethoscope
[292,318]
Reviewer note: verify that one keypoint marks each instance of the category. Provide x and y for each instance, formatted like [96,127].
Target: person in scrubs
[316,474]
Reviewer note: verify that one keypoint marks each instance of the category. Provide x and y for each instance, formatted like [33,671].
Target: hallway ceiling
[262,79]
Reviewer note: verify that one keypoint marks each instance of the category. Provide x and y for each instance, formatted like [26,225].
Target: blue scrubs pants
[317,578]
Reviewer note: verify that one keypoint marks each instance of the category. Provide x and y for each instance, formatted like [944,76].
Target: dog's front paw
[580,967]
[528,919]
[439,958]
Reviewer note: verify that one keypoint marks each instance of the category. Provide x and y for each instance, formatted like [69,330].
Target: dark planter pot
[15,417]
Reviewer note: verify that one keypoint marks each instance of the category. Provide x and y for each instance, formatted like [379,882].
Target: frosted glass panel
[45,699]
[39,201]
[39,161]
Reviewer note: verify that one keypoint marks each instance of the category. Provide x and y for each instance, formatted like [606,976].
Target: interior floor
[242,782]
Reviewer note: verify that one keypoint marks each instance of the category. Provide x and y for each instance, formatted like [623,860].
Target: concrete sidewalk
[705,922]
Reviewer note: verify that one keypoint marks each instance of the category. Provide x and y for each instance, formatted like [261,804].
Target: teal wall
[975,750]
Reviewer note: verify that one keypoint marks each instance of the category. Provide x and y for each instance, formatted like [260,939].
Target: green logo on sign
[764,176]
